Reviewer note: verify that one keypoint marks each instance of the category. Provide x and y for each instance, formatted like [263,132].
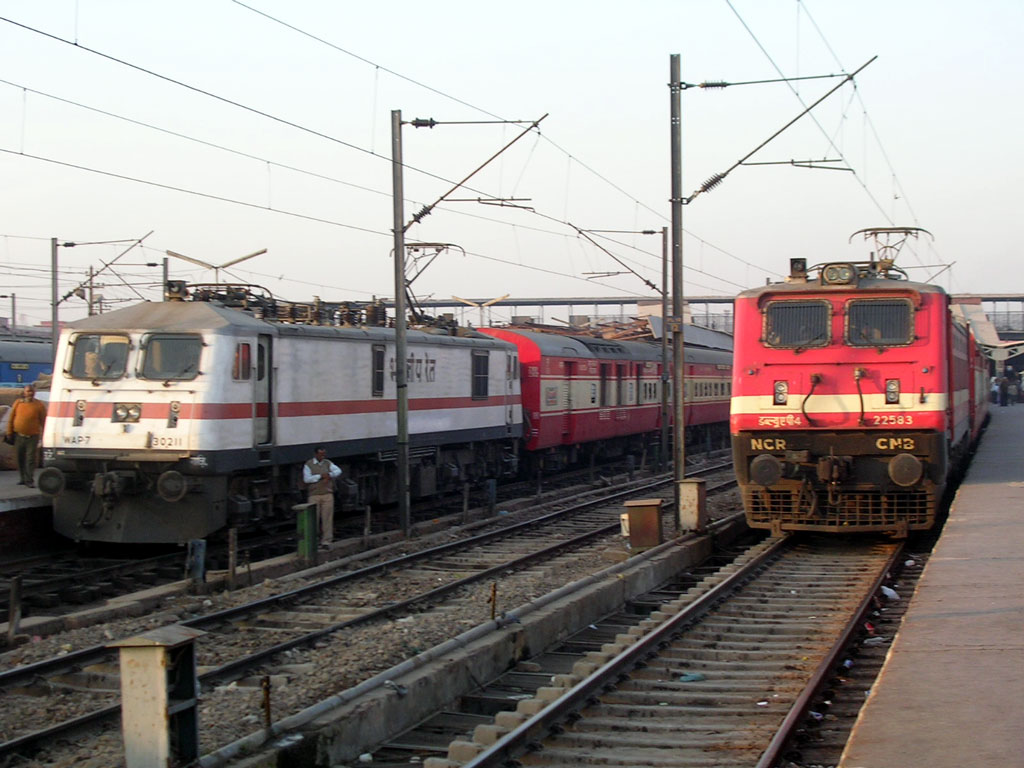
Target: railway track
[725,681]
[57,584]
[249,639]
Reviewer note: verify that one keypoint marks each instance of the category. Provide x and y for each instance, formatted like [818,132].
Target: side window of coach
[378,370]
[481,372]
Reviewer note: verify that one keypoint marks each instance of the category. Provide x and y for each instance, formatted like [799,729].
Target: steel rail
[803,702]
[124,567]
[99,652]
[512,744]
[29,671]
[226,671]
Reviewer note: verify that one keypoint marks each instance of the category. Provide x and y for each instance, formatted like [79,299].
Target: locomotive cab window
[99,356]
[167,356]
[797,324]
[241,369]
[879,323]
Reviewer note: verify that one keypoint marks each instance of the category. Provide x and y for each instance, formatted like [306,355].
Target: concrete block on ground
[530,706]
[488,733]
[510,720]
[464,751]
[549,693]
[440,762]
[585,668]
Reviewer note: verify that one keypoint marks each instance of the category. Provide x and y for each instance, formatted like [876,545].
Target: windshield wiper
[803,347]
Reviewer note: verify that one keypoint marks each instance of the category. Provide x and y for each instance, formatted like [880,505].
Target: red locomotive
[856,394]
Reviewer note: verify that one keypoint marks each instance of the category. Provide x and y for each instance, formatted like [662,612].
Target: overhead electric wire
[223,99]
[867,117]
[247,155]
[186,137]
[338,48]
[206,195]
[483,111]
[812,116]
[659,258]
[878,139]
[261,113]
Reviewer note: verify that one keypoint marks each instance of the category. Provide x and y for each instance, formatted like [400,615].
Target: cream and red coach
[855,395]
[584,396]
[168,419]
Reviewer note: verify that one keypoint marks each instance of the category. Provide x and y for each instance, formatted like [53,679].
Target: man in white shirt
[319,474]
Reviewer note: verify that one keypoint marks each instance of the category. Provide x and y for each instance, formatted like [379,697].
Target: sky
[217,128]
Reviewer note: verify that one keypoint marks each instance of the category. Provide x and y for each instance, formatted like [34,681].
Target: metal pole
[232,557]
[663,453]
[14,313]
[678,357]
[14,611]
[167,276]
[54,330]
[401,384]
[90,292]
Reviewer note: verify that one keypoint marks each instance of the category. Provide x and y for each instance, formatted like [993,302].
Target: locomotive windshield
[166,357]
[98,356]
[879,323]
[800,324]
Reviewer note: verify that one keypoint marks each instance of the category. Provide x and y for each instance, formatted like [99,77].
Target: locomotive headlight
[837,274]
[127,412]
[781,395]
[892,391]
[79,417]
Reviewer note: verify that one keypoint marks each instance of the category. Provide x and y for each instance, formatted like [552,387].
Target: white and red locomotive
[169,420]
[856,394]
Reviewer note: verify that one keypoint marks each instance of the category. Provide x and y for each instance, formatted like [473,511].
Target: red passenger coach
[578,389]
[855,395]
[584,396]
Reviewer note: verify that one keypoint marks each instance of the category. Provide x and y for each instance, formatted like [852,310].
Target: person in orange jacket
[25,426]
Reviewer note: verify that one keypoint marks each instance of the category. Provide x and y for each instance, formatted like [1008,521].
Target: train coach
[856,395]
[23,359]
[585,397]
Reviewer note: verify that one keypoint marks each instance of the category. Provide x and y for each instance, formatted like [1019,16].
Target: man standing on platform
[25,426]
[319,474]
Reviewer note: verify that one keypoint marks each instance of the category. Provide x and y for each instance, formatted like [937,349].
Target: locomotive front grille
[857,510]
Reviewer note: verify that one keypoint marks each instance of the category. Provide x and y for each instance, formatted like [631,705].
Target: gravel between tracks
[230,712]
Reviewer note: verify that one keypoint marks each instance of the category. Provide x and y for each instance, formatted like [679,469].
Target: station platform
[15,496]
[26,519]
[950,690]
